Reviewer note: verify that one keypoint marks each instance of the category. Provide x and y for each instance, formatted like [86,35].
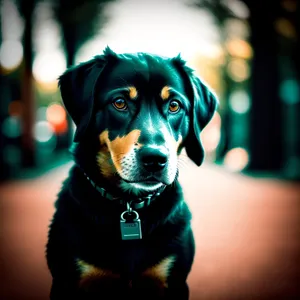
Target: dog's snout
[154,159]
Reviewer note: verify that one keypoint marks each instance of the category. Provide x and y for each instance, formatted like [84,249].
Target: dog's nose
[154,159]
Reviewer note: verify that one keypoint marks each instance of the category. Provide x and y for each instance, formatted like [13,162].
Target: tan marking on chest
[160,272]
[90,274]
[120,146]
[165,93]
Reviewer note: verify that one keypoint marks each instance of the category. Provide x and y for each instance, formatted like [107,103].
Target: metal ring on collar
[133,211]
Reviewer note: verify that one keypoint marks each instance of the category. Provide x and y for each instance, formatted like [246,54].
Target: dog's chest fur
[93,238]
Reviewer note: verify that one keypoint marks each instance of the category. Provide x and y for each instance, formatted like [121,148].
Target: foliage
[79,21]
[219,9]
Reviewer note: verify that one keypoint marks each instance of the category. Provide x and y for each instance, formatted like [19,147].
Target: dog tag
[130,230]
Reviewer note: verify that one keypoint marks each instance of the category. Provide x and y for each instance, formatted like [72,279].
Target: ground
[247,235]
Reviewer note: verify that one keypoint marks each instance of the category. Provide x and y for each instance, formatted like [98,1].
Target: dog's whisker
[182,163]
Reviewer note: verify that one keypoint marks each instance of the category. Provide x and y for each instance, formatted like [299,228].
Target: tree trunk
[294,153]
[3,168]
[266,147]
[27,93]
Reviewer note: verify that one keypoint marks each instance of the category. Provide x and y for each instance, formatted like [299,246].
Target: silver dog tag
[130,230]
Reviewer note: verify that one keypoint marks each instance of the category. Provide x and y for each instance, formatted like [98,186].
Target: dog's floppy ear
[203,106]
[77,87]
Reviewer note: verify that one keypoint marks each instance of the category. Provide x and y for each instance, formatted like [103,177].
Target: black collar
[134,201]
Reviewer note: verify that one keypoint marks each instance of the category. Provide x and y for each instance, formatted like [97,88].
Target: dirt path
[247,235]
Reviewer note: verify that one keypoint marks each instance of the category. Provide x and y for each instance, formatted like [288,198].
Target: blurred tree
[222,13]
[265,141]
[296,59]
[266,131]
[2,165]
[288,28]
[0,25]
[296,21]
[26,9]
[80,20]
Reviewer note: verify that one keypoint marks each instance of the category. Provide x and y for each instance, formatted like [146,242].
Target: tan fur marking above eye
[160,271]
[90,273]
[165,93]
[120,146]
[132,92]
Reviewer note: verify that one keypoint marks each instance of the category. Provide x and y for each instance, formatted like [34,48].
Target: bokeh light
[11,54]
[289,91]
[47,67]
[238,69]
[47,35]
[239,8]
[236,159]
[286,28]
[11,127]
[45,137]
[237,29]
[12,24]
[56,116]
[239,101]
[239,48]
[43,131]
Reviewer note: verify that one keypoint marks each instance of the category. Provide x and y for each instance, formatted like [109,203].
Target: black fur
[86,225]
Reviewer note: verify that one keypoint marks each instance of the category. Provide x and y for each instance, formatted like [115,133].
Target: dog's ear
[203,106]
[77,86]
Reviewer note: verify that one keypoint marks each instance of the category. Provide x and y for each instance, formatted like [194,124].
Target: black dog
[121,227]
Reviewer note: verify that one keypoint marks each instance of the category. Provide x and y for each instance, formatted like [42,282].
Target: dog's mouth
[150,184]
[146,181]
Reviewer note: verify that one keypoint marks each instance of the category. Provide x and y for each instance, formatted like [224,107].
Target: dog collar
[138,203]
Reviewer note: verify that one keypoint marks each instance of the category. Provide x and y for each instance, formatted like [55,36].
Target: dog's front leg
[179,291]
[62,290]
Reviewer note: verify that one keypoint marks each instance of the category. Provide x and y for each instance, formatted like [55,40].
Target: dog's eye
[174,106]
[120,104]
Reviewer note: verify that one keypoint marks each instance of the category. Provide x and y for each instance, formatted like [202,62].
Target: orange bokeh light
[239,48]
[56,116]
[238,69]
[236,159]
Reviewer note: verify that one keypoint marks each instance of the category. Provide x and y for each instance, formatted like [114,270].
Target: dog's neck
[135,202]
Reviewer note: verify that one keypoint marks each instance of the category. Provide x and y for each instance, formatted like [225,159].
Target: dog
[121,228]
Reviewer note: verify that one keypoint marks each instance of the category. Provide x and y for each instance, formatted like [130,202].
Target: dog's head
[142,110]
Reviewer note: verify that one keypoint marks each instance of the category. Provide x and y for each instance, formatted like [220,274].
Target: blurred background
[247,220]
